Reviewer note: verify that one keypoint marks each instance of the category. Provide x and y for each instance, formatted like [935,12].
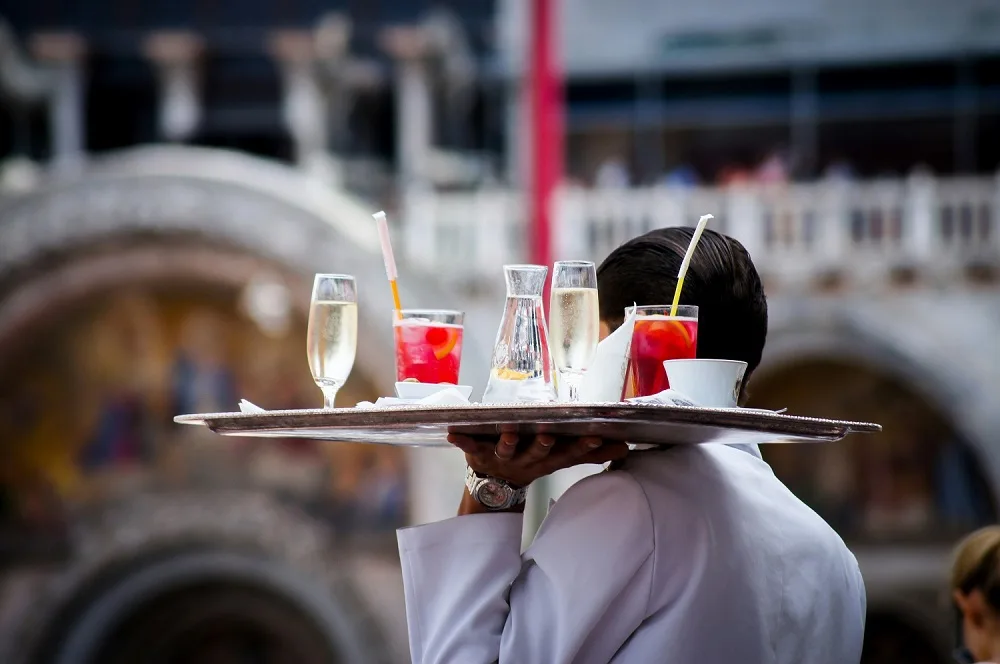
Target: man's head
[721,280]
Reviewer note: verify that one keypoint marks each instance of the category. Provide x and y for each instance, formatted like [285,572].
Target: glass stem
[573,381]
[329,395]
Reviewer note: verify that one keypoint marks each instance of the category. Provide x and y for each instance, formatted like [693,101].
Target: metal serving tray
[428,426]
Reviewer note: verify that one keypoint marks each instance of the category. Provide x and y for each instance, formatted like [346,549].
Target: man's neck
[995,652]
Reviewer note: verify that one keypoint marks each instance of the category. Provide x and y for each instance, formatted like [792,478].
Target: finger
[470,445]
[538,450]
[507,447]
[463,443]
[569,454]
[586,445]
[605,453]
[509,437]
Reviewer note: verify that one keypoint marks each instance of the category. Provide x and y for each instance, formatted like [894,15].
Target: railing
[796,233]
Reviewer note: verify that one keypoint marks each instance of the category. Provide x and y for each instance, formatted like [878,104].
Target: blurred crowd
[774,167]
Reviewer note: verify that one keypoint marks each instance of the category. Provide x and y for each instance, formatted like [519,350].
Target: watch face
[494,494]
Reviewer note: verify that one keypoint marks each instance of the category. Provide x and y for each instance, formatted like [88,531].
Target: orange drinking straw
[390,262]
[699,229]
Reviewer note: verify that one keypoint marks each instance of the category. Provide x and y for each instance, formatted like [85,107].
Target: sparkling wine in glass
[574,321]
[332,337]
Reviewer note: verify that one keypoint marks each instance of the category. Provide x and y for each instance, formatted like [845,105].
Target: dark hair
[721,280]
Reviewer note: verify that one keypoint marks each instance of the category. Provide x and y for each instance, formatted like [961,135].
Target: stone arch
[219,198]
[949,356]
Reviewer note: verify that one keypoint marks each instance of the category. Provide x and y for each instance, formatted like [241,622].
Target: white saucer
[412,390]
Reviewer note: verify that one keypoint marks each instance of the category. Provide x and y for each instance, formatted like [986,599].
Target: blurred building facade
[722,90]
[852,147]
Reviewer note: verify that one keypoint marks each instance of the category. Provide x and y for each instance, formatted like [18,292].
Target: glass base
[530,390]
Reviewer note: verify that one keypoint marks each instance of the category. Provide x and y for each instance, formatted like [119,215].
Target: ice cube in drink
[427,350]
[656,338]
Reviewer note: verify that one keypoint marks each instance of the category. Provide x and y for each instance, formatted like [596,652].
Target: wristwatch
[493,492]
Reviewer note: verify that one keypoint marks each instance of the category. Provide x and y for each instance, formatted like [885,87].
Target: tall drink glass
[657,337]
[332,336]
[428,345]
[574,321]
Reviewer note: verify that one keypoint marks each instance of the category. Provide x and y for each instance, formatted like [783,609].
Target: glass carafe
[522,369]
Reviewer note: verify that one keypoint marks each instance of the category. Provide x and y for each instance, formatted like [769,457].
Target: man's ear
[973,606]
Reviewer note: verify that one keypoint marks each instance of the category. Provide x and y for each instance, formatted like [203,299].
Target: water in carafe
[522,369]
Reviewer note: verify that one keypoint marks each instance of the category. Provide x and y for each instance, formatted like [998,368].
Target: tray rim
[410,415]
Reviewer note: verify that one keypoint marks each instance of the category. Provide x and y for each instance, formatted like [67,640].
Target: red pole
[546,123]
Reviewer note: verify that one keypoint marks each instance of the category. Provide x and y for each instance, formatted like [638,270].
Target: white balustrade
[795,232]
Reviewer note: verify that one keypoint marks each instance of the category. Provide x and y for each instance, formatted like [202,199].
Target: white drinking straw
[699,229]
[387,258]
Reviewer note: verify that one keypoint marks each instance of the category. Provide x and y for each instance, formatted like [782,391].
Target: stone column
[176,55]
[332,38]
[64,53]
[304,105]
[409,48]
[921,235]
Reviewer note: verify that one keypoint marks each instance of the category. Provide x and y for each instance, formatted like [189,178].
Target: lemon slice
[684,331]
[442,351]
[510,374]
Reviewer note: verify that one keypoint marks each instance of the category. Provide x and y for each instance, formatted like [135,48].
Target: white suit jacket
[691,555]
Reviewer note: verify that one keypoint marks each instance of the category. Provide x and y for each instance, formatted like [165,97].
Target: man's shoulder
[708,481]
[616,485]
[615,499]
[607,512]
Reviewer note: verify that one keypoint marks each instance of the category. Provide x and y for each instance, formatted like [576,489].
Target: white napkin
[605,378]
[447,397]
[671,397]
[665,398]
[248,408]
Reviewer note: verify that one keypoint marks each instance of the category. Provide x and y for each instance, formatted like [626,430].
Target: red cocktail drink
[658,336]
[428,346]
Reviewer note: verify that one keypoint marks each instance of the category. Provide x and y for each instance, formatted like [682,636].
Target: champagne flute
[332,337]
[574,321]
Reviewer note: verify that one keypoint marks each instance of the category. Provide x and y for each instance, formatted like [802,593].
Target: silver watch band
[493,492]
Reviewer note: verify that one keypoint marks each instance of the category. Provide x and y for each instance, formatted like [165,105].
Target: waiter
[692,554]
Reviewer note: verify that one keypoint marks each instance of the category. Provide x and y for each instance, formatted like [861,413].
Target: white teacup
[709,383]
